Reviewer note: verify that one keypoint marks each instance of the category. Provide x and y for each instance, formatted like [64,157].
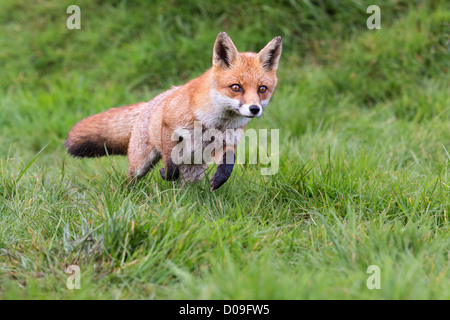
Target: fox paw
[216,183]
[172,176]
[221,176]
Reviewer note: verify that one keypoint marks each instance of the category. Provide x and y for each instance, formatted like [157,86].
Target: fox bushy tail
[108,131]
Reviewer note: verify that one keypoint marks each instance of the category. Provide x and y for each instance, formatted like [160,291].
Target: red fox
[234,90]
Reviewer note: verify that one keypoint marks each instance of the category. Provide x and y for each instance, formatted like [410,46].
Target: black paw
[222,174]
[217,181]
[162,173]
[173,174]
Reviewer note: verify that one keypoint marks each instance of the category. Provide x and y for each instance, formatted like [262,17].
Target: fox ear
[225,52]
[270,54]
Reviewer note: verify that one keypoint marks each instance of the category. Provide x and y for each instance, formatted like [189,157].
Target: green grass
[364,155]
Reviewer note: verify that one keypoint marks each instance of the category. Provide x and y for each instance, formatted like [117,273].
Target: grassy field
[364,178]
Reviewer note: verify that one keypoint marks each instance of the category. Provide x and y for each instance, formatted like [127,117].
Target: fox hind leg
[142,155]
[140,165]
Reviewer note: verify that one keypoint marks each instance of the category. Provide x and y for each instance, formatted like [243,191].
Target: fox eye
[235,88]
[262,89]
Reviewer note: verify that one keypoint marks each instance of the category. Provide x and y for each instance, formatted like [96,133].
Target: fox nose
[254,109]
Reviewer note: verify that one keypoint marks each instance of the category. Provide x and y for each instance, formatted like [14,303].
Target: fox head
[243,82]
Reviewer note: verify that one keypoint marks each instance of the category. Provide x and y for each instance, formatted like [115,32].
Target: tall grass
[364,163]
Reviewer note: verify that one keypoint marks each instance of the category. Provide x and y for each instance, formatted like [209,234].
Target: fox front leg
[170,172]
[173,172]
[224,170]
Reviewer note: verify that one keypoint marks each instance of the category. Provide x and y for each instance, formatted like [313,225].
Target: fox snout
[250,110]
[254,109]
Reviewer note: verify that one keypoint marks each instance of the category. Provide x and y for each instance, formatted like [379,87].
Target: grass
[364,155]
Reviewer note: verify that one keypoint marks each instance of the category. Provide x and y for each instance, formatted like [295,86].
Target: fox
[236,89]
